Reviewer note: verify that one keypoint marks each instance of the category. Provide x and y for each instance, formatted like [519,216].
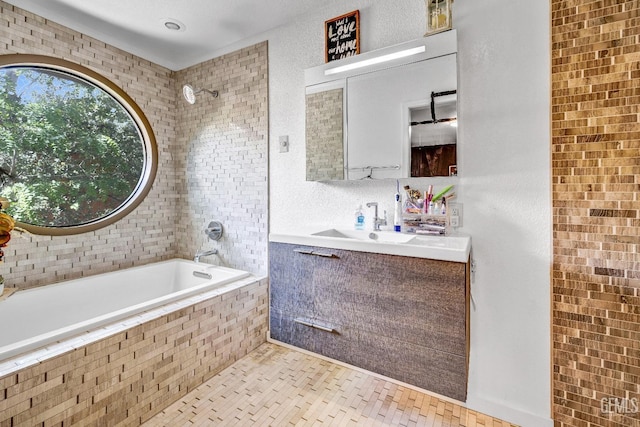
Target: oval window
[76,152]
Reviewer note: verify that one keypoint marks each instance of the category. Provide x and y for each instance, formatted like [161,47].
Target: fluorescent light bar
[376,60]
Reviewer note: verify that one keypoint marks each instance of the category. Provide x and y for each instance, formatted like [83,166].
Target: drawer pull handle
[314,325]
[303,252]
[325,255]
[322,254]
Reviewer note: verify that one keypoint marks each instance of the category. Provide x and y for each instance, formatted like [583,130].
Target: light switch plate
[284,143]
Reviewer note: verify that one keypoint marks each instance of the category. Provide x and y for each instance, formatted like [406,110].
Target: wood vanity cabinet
[402,317]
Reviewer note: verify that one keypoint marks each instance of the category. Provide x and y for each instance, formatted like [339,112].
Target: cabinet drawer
[416,300]
[403,317]
[425,367]
[422,366]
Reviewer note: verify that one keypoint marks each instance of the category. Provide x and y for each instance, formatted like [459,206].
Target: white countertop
[455,248]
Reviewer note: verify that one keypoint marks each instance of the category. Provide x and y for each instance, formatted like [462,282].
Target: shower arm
[189,93]
[214,93]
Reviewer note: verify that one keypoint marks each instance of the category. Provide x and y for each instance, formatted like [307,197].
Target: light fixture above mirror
[375,60]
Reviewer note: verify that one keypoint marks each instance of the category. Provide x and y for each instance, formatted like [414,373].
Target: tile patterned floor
[277,386]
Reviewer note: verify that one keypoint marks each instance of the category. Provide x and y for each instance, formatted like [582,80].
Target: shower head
[189,93]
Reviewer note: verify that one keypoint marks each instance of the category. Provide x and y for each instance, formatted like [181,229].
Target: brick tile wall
[221,163]
[596,233]
[127,378]
[212,160]
[38,260]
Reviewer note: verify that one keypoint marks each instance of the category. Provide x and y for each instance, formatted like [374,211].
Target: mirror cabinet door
[324,127]
[397,122]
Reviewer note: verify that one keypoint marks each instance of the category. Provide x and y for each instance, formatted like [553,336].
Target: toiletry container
[359,219]
[397,216]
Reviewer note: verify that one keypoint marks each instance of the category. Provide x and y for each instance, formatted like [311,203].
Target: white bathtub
[37,317]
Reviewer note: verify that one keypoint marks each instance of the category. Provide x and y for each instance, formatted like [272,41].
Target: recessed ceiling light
[173,24]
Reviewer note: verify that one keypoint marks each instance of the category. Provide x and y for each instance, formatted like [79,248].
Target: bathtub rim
[37,347]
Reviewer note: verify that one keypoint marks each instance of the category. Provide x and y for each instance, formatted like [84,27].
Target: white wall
[504,100]
[504,184]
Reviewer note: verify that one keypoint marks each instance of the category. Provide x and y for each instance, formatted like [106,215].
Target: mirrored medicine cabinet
[393,118]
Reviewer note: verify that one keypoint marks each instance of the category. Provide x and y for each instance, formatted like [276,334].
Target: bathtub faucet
[204,253]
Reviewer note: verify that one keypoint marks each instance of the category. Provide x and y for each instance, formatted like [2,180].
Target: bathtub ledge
[37,356]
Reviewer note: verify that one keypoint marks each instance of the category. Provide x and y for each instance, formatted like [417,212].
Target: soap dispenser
[359,219]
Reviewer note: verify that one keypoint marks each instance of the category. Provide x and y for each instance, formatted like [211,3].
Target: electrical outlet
[455,214]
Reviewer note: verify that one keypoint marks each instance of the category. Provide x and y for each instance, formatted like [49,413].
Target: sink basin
[445,248]
[332,232]
[369,236]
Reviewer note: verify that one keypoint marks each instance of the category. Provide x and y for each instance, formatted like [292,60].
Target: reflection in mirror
[433,131]
[376,102]
[325,133]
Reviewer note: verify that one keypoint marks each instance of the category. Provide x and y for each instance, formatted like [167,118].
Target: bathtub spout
[204,253]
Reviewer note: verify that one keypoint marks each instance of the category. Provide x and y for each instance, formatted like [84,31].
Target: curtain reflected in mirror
[433,131]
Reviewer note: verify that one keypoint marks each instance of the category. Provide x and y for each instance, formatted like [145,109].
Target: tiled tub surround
[221,159]
[125,373]
[42,316]
[147,234]
[205,151]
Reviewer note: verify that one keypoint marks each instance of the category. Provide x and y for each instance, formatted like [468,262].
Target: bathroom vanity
[390,303]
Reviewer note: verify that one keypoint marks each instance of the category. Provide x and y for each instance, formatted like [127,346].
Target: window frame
[150,165]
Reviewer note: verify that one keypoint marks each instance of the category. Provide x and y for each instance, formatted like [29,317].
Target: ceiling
[137,26]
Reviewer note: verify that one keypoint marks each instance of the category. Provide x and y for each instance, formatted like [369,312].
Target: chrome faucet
[204,253]
[377,222]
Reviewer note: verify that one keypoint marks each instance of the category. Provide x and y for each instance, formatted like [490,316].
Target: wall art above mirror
[390,113]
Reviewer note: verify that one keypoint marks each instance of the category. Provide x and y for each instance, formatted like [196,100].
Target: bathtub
[38,317]
[137,341]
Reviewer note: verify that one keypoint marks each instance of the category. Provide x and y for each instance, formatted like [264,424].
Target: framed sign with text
[342,36]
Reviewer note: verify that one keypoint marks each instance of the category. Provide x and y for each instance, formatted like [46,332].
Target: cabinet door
[398,316]
[402,317]
[416,300]
[291,279]
[291,294]
[376,104]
